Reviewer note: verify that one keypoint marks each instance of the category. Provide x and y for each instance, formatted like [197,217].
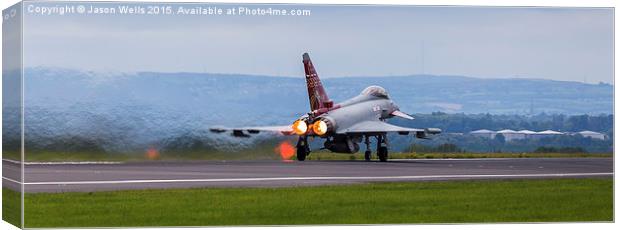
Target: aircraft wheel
[367,155]
[383,153]
[302,148]
[301,154]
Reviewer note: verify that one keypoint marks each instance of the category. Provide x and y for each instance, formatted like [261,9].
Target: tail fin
[316,93]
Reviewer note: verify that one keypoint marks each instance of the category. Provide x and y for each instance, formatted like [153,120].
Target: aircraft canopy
[376,91]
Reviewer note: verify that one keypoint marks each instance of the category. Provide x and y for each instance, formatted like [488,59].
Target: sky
[571,44]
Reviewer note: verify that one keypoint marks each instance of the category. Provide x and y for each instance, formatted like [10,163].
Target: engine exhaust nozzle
[320,127]
[300,127]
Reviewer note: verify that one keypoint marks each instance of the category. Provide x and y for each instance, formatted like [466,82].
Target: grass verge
[360,156]
[548,200]
[265,155]
[11,206]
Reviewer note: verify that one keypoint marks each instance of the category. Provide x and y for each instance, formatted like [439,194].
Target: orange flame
[300,127]
[152,154]
[319,127]
[286,150]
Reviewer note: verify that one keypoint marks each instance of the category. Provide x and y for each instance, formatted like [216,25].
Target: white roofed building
[550,132]
[546,133]
[485,133]
[527,133]
[510,134]
[592,134]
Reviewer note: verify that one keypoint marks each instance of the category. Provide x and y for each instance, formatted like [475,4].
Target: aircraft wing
[370,127]
[245,131]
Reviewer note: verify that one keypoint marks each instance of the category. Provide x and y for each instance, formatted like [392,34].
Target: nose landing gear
[382,150]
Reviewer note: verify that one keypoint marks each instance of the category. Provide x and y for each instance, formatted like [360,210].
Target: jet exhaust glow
[319,127]
[300,127]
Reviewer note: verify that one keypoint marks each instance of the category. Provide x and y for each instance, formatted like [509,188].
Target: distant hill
[130,109]
[415,94]
[458,94]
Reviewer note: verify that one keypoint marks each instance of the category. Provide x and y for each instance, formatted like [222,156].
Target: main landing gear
[302,148]
[382,150]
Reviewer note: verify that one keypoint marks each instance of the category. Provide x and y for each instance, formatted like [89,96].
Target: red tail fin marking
[316,92]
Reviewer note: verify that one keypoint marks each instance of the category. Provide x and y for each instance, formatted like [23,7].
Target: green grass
[80,156]
[124,157]
[265,154]
[12,155]
[70,156]
[360,156]
[11,206]
[562,200]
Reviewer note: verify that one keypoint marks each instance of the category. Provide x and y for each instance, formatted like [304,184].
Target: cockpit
[376,91]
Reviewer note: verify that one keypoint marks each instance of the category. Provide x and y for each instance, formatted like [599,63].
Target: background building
[510,134]
[485,133]
[592,134]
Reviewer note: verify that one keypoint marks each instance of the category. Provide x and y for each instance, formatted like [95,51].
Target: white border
[566,3]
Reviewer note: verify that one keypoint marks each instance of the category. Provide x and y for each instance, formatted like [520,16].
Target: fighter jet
[343,126]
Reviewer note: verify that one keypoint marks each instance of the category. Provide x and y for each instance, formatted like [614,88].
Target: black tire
[383,153]
[302,149]
[367,155]
[301,153]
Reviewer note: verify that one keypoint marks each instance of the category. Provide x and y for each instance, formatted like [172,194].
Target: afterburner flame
[152,154]
[300,127]
[319,127]
[286,150]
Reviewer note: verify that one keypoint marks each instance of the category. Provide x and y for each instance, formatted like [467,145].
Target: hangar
[483,133]
[592,134]
[510,134]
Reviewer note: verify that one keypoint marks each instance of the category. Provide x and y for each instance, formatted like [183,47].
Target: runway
[93,176]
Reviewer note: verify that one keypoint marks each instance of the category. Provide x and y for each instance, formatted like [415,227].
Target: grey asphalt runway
[63,177]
